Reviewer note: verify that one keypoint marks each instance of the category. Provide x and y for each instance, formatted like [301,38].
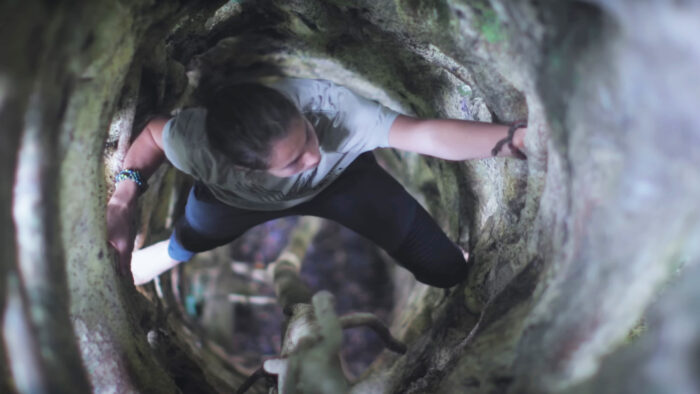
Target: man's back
[345,124]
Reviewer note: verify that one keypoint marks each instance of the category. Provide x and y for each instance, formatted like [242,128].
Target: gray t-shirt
[346,125]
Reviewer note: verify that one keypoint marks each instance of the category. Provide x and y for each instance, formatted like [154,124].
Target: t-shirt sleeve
[366,122]
[184,143]
[170,144]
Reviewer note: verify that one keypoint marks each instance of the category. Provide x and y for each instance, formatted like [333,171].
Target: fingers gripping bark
[120,234]
[144,155]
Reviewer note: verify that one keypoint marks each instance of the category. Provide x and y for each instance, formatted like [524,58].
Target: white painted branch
[253,300]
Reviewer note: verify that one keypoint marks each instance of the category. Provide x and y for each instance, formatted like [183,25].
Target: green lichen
[464,91]
[434,13]
[421,313]
[488,24]
[636,332]
[675,268]
[555,60]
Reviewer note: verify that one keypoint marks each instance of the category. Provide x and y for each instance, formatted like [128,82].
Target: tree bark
[568,248]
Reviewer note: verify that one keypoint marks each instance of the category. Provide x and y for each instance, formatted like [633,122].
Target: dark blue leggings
[365,198]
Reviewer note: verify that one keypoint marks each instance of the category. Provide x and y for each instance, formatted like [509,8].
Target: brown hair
[244,119]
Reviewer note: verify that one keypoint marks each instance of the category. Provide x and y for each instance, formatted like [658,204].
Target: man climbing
[297,147]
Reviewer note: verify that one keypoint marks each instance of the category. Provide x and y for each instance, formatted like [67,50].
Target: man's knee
[432,257]
[441,268]
[192,240]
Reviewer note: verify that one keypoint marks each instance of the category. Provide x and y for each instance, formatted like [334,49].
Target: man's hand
[519,138]
[145,154]
[511,142]
[120,233]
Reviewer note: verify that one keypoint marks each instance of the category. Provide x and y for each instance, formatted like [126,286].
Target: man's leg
[366,199]
[209,223]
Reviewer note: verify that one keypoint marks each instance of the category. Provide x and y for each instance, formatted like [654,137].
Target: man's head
[257,127]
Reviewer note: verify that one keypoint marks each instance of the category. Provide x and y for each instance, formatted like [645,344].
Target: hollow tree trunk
[568,249]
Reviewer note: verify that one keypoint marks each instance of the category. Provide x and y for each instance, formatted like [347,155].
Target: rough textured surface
[568,249]
[665,360]
[63,75]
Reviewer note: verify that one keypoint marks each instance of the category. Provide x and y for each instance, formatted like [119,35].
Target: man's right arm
[145,155]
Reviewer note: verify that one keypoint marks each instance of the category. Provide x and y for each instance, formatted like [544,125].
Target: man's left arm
[452,139]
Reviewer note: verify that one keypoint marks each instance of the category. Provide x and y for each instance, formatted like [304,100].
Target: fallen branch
[248,383]
[253,300]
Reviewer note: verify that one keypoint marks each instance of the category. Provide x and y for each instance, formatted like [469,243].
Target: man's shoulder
[190,117]
[303,91]
[187,126]
[184,138]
